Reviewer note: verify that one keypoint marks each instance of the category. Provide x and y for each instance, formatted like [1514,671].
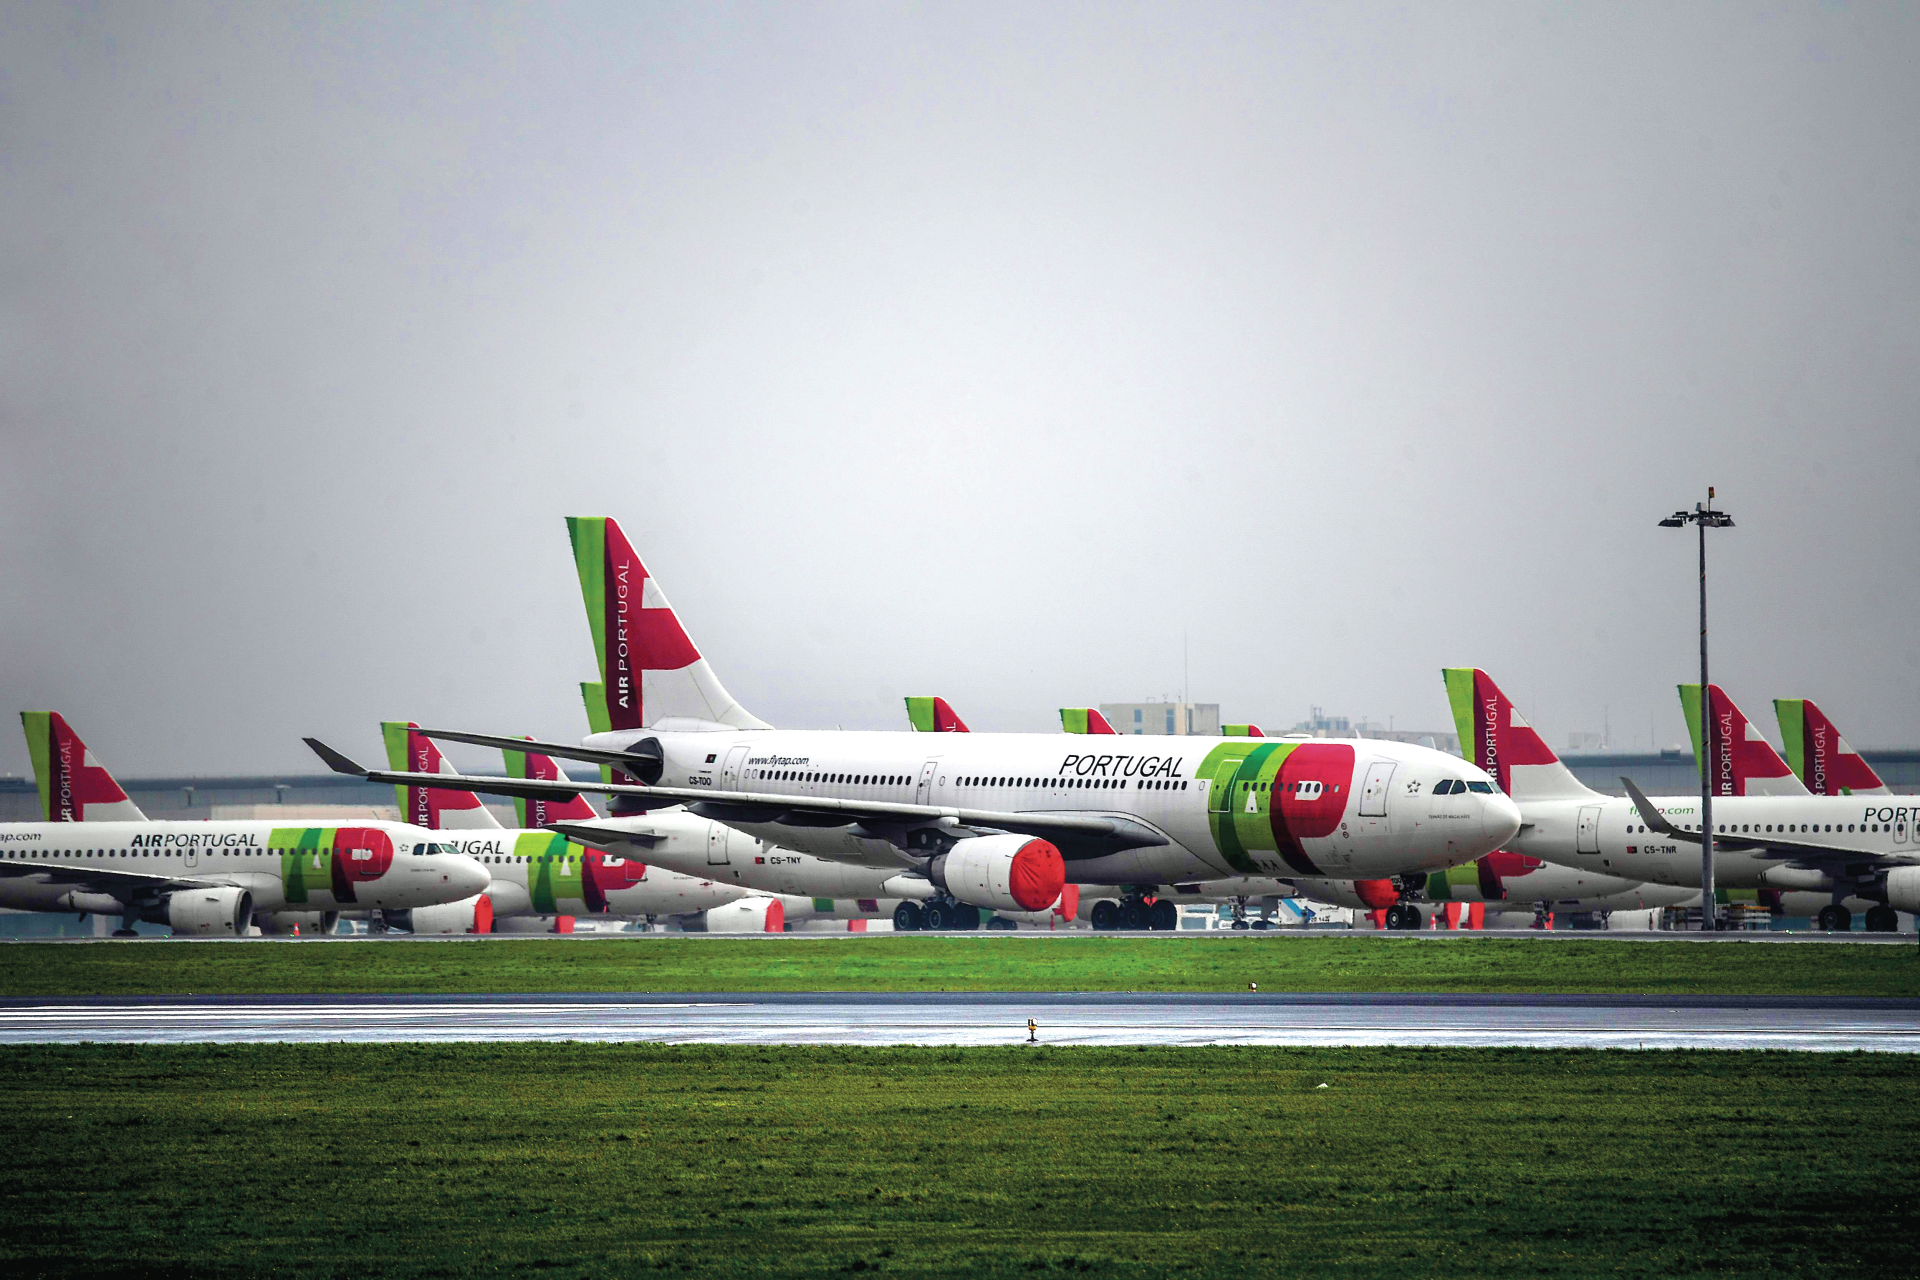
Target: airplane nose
[465,874]
[1499,819]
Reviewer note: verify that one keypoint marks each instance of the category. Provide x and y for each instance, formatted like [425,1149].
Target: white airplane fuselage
[385,865]
[1226,806]
[1604,834]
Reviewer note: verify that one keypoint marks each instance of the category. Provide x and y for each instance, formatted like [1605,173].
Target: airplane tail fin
[1739,761]
[933,715]
[654,676]
[547,811]
[1823,761]
[1084,720]
[74,786]
[1495,736]
[437,808]
[1241,731]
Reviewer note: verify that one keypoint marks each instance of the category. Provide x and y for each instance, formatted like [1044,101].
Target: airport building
[1164,719]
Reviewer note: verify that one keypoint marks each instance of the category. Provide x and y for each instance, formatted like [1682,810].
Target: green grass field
[966,963]
[592,1160]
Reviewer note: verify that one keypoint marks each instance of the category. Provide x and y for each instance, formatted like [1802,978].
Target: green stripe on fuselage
[554,869]
[306,860]
[1239,802]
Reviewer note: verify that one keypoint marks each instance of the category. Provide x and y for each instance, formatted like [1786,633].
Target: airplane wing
[1078,835]
[105,879]
[1804,852]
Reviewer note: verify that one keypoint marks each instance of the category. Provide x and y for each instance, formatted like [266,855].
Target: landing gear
[1837,919]
[908,918]
[942,914]
[1002,925]
[1135,912]
[1404,915]
[1240,912]
[1882,919]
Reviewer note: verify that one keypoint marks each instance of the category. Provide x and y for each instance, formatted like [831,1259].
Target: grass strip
[977,963]
[592,1160]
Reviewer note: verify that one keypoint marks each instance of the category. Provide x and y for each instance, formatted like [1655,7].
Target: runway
[999,1018]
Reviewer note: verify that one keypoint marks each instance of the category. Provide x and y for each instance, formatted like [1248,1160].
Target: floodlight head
[1717,520]
[1678,520]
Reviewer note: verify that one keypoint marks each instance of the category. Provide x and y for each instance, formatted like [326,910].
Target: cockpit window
[1444,787]
[1485,788]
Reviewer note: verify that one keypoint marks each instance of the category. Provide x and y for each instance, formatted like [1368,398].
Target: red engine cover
[1037,875]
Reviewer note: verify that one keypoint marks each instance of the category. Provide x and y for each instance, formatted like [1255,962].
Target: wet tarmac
[1543,1021]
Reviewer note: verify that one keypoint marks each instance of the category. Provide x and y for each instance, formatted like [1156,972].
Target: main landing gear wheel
[936,916]
[1241,924]
[908,918]
[1163,915]
[1133,915]
[1105,915]
[1882,919]
[1001,924]
[1835,919]
[1402,916]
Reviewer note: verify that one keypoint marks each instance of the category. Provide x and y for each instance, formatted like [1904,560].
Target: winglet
[334,760]
[1652,816]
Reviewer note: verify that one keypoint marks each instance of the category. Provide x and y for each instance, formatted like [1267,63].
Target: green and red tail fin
[1084,720]
[437,808]
[544,812]
[74,786]
[1739,761]
[1496,737]
[654,675]
[1819,756]
[1242,731]
[933,715]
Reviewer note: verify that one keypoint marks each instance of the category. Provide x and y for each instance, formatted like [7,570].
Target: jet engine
[748,915]
[1903,889]
[223,912]
[469,915]
[1004,873]
[274,923]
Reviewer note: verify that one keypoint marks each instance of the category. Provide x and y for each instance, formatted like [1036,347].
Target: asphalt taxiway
[997,1018]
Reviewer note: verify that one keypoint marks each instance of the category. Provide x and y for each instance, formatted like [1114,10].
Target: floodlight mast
[1706,518]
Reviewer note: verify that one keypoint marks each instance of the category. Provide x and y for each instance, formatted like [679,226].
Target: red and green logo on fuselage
[1270,796]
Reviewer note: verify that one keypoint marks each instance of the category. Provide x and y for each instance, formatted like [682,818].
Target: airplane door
[716,845]
[1588,840]
[923,794]
[1373,793]
[1220,790]
[730,771]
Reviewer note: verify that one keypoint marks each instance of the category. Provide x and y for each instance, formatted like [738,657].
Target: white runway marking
[958,1020]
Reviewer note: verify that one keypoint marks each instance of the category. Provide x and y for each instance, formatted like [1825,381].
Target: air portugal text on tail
[1736,759]
[654,676]
[1819,756]
[74,786]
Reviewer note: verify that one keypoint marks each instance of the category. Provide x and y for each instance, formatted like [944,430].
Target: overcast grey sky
[971,349]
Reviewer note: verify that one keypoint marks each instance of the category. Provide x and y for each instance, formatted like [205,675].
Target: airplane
[991,819]
[203,879]
[1490,882]
[1840,845]
[1819,756]
[538,871]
